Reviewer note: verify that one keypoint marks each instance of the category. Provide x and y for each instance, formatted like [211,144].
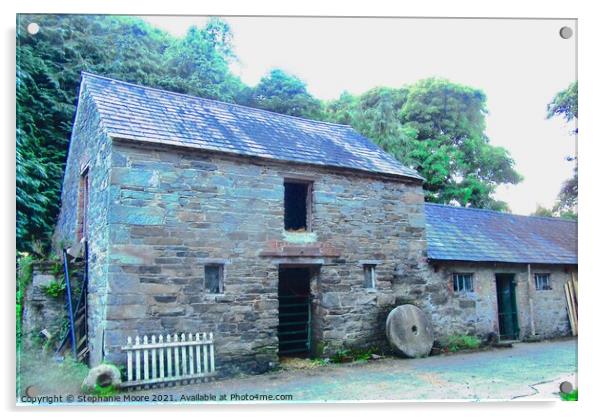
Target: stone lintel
[285,250]
[298,261]
[370,262]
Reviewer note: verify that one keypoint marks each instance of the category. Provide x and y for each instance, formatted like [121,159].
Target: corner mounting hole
[415,329]
[566,32]
[33,28]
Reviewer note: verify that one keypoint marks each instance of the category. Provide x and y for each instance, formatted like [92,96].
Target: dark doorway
[294,311]
[506,306]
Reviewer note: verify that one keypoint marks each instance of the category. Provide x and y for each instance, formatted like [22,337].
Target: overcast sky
[519,64]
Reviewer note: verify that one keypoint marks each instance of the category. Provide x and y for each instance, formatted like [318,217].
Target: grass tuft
[457,342]
[352,355]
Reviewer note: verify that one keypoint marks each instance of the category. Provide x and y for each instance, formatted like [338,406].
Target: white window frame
[459,282]
[542,281]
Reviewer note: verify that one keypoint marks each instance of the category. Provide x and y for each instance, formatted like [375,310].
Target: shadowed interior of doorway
[294,312]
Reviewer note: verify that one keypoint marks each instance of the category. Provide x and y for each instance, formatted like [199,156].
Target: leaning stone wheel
[409,331]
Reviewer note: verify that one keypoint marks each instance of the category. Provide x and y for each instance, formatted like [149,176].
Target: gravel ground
[530,371]
[526,371]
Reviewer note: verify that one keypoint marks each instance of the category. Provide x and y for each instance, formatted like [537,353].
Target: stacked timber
[571,292]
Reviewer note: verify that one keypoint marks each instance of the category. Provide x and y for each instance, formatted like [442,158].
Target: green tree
[542,211]
[567,200]
[565,105]
[199,63]
[437,127]
[48,75]
[285,94]
[377,115]
[342,110]
[462,166]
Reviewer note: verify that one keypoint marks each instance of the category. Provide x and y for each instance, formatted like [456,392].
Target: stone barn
[280,235]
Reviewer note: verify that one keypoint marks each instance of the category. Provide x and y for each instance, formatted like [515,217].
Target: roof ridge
[558,219]
[227,104]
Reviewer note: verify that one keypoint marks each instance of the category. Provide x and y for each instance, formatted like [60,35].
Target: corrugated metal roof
[464,234]
[141,113]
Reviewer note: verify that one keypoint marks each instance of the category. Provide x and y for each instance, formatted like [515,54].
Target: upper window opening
[297,206]
[542,281]
[463,282]
[214,278]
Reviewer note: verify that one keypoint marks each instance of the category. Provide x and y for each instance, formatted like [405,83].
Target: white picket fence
[175,358]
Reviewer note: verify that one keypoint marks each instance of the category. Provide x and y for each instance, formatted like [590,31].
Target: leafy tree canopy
[568,196]
[48,74]
[286,94]
[565,104]
[437,127]
[542,212]
[198,64]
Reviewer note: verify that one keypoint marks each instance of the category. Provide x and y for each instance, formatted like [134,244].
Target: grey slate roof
[464,234]
[141,113]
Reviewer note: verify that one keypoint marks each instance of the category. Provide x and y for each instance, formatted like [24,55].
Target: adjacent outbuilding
[504,273]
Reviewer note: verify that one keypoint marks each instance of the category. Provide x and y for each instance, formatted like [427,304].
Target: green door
[506,304]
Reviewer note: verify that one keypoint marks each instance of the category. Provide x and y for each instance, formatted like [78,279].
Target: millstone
[103,376]
[409,331]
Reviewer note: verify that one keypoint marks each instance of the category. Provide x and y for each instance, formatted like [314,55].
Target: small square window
[214,278]
[542,281]
[297,205]
[463,282]
[370,276]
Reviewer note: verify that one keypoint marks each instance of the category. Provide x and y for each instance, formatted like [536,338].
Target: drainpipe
[530,294]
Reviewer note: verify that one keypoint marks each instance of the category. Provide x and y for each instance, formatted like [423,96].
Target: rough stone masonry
[171,213]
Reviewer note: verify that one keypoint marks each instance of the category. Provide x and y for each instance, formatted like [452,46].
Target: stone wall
[89,147]
[173,211]
[549,306]
[40,311]
[476,313]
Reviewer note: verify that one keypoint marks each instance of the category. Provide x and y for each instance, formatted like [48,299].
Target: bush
[55,288]
[459,342]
